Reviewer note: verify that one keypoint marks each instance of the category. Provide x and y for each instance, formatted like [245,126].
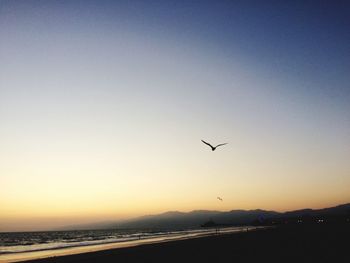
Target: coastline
[82,249]
[291,243]
[285,243]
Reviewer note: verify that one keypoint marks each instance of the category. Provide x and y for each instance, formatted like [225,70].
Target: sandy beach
[59,249]
[310,243]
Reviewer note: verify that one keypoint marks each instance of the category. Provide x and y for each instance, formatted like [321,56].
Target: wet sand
[85,248]
[312,243]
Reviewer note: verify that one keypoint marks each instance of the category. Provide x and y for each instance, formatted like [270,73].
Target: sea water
[15,244]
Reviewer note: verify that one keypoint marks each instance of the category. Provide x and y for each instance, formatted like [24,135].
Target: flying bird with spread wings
[212,147]
[219,198]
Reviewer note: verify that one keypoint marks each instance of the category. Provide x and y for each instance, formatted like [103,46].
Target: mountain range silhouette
[196,218]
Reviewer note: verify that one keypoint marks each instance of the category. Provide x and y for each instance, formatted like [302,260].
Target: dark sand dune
[298,243]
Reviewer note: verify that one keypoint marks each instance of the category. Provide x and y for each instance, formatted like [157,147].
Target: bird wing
[220,144]
[207,144]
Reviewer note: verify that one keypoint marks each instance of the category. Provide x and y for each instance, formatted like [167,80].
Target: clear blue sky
[103,105]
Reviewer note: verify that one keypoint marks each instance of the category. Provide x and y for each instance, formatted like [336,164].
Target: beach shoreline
[81,249]
[309,243]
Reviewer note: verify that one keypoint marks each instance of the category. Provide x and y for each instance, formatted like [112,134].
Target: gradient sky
[103,105]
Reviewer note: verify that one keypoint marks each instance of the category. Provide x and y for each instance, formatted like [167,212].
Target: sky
[103,105]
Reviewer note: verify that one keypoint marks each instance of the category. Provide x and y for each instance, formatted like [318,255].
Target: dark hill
[196,218]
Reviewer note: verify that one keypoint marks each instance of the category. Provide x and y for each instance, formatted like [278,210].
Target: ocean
[13,244]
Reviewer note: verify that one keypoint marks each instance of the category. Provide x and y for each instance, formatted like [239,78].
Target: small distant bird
[219,198]
[211,146]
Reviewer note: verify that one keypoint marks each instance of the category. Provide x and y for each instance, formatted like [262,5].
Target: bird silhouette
[211,146]
[219,198]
